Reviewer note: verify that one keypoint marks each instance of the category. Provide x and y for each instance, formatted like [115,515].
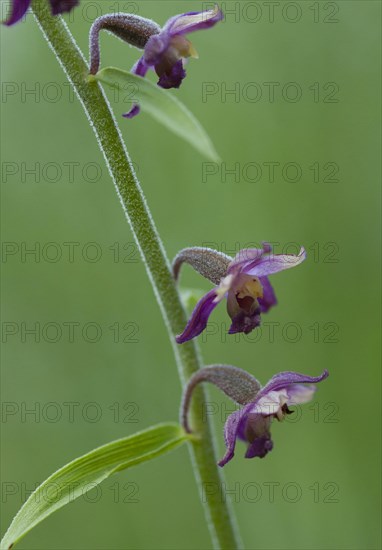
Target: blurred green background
[115,373]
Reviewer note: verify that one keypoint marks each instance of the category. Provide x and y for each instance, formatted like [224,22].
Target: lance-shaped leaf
[161,105]
[84,473]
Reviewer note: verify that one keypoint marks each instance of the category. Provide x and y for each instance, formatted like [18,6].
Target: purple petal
[134,111]
[269,264]
[199,318]
[269,298]
[193,21]
[18,10]
[172,78]
[156,47]
[61,6]
[285,379]
[269,403]
[140,68]
[230,431]
[259,447]
[298,394]
[247,255]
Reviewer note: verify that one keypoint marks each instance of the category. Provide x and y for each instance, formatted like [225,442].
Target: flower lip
[172,77]
[245,323]
[260,447]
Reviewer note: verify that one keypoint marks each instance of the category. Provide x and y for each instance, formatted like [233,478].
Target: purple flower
[20,7]
[166,51]
[243,280]
[260,405]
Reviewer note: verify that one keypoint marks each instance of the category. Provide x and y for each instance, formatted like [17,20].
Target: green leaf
[161,105]
[82,474]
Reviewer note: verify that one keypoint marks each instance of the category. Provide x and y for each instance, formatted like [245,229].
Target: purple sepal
[62,6]
[268,264]
[245,257]
[199,317]
[287,378]
[230,430]
[134,111]
[18,10]
[20,7]
[269,297]
[193,21]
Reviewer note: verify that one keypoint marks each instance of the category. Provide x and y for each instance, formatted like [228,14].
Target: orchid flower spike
[164,49]
[20,7]
[243,280]
[252,422]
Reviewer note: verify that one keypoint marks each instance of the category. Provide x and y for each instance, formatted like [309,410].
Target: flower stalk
[133,29]
[219,515]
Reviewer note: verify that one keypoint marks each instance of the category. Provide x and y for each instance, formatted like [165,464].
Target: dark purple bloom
[243,280]
[260,405]
[20,7]
[166,51]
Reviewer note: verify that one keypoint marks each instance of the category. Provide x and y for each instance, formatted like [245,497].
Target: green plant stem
[219,515]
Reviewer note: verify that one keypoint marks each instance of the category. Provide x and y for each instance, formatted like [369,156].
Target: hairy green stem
[219,515]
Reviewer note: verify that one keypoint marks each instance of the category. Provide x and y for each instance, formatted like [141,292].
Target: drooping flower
[20,7]
[165,52]
[252,423]
[243,280]
[165,49]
